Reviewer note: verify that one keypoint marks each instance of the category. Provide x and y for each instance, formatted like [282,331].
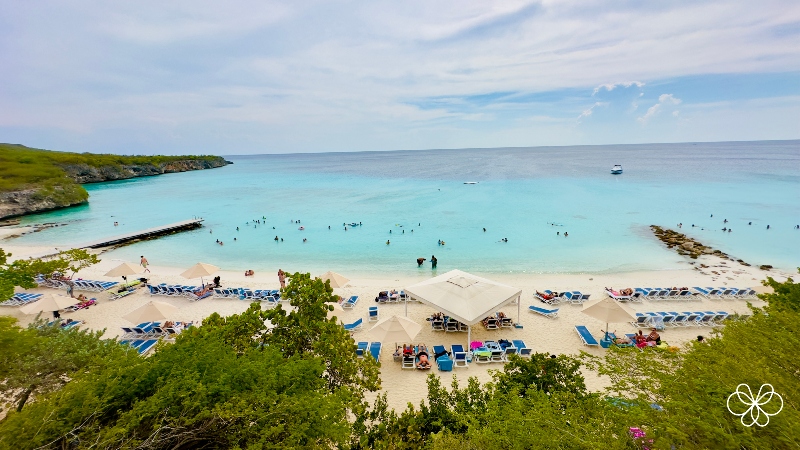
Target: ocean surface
[413,199]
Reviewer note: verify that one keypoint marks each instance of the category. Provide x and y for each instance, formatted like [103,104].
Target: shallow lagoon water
[520,195]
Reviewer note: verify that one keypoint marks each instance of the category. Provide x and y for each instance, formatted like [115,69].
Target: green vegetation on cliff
[34,179]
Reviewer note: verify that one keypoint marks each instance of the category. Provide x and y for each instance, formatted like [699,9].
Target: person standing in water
[433,262]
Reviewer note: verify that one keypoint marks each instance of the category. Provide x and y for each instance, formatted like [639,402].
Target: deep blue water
[520,193]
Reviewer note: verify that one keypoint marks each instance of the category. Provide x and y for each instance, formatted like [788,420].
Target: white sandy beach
[402,386]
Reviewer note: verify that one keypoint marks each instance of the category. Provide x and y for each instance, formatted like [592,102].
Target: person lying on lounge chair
[423,358]
[66,322]
[627,291]
[408,350]
[545,296]
[393,294]
[621,339]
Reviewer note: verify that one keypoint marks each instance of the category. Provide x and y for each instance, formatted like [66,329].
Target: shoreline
[541,334]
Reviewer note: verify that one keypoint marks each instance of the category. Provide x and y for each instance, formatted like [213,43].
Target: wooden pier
[144,234]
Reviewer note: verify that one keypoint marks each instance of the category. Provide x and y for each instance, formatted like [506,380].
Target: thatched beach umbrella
[609,311]
[151,312]
[337,281]
[394,328]
[123,270]
[200,270]
[52,302]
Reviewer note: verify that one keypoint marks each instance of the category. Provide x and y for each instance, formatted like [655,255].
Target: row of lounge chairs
[174,290]
[81,285]
[656,294]
[392,296]
[730,293]
[448,325]
[21,298]
[266,295]
[373,349]
[143,337]
[574,297]
[661,319]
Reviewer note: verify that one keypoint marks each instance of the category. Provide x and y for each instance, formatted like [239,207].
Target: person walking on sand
[143,262]
[282,278]
[70,287]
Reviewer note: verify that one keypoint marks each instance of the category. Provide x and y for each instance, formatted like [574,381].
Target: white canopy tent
[464,297]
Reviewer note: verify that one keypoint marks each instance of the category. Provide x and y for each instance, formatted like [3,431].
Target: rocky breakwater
[687,246]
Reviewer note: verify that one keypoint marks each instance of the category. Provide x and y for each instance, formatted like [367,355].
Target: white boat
[616,170]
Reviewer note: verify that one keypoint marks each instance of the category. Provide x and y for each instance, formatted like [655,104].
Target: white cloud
[611,86]
[588,112]
[302,69]
[664,100]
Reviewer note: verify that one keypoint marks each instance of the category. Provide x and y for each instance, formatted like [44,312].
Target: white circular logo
[749,407]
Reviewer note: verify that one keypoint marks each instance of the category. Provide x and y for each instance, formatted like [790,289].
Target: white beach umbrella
[609,311]
[394,328]
[199,270]
[123,270]
[51,302]
[337,281]
[151,312]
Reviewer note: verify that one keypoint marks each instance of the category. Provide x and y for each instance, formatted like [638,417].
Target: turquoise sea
[531,196]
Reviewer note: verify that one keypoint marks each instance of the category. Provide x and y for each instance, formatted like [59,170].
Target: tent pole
[469,337]
[519,300]
[406,305]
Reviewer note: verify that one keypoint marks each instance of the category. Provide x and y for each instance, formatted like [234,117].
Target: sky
[211,77]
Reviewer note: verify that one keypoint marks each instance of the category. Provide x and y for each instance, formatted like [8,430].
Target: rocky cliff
[65,191]
[84,173]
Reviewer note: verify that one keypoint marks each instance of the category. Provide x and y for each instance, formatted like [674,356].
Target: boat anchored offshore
[470,182]
[616,170]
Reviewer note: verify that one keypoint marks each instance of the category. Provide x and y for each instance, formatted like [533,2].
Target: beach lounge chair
[505,322]
[691,319]
[679,320]
[510,351]
[409,362]
[146,346]
[373,314]
[642,320]
[586,336]
[705,319]
[459,356]
[361,347]
[491,324]
[720,317]
[122,294]
[613,338]
[549,313]
[351,327]
[452,326]
[498,356]
[618,297]
[350,303]
[444,363]
[666,317]
[522,349]
[437,325]
[726,293]
[375,350]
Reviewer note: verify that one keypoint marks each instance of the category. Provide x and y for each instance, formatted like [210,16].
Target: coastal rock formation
[63,188]
[84,173]
[26,201]
[685,245]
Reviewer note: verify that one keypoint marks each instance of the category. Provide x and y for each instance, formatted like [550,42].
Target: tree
[306,330]
[23,272]
[693,385]
[40,359]
[230,383]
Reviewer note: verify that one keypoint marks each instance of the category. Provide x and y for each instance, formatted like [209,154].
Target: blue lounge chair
[586,336]
[146,346]
[354,326]
[350,303]
[549,313]
[459,356]
[373,313]
[522,349]
[642,320]
[445,363]
[361,347]
[375,350]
